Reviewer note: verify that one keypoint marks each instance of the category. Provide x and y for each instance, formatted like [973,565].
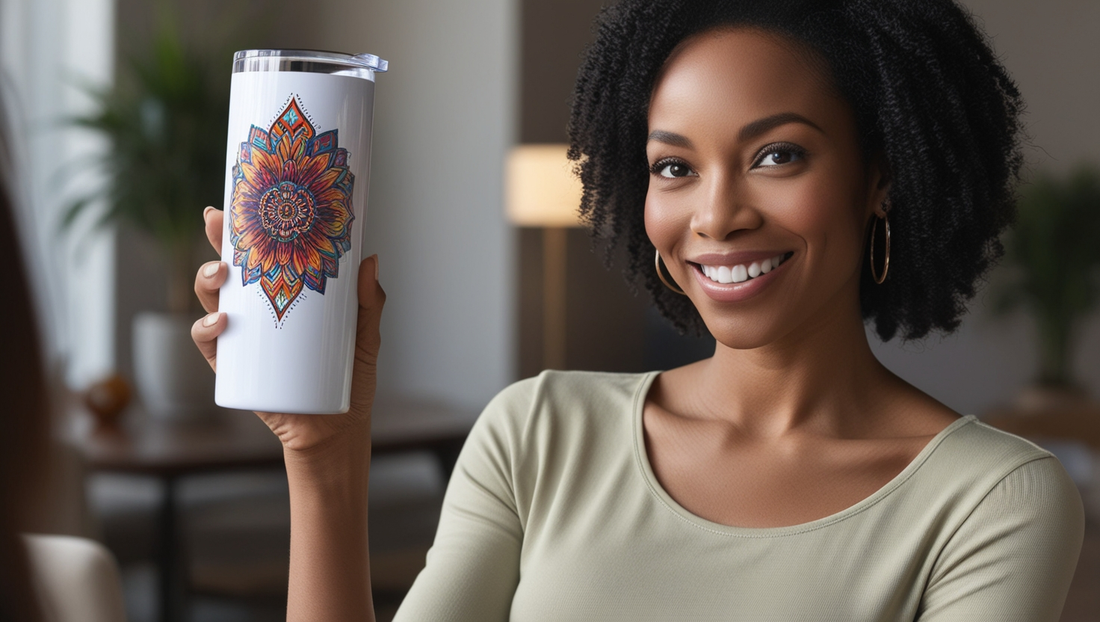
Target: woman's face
[758,196]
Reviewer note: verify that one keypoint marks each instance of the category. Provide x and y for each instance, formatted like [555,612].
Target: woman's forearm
[329,562]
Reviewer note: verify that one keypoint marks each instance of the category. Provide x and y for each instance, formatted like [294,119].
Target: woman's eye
[672,170]
[780,155]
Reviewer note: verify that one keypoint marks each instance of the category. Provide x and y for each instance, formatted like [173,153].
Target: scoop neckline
[655,487]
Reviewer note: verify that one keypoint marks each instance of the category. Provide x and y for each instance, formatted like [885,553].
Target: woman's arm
[473,568]
[329,564]
[327,460]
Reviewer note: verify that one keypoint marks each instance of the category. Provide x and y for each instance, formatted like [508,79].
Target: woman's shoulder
[571,391]
[561,403]
[1016,529]
[972,459]
[987,448]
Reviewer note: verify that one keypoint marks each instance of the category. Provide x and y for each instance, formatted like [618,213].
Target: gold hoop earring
[661,275]
[886,262]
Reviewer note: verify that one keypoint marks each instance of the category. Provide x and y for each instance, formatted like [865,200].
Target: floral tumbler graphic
[291,212]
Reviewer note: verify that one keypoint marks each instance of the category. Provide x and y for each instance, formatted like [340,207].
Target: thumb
[371,300]
[367,341]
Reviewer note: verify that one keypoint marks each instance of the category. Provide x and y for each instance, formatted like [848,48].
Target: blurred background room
[192,500]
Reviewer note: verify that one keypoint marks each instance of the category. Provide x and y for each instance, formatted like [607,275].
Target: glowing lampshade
[541,189]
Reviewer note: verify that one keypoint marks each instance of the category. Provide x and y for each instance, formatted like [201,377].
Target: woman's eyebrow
[750,131]
[670,138]
[758,127]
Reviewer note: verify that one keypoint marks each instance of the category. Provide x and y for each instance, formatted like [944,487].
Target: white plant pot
[173,379]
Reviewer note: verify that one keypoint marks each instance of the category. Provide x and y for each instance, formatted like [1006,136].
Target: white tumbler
[297,167]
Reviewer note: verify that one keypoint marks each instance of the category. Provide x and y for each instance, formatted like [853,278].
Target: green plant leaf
[1054,250]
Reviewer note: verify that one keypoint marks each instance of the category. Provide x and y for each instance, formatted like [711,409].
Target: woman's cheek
[830,223]
[815,210]
[661,222]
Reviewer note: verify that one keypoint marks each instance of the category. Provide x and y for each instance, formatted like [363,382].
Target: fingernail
[206,211]
[375,266]
[211,319]
[210,270]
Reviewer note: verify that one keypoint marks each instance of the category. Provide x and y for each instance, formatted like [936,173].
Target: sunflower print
[291,211]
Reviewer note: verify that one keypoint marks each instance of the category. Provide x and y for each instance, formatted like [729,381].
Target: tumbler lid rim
[363,61]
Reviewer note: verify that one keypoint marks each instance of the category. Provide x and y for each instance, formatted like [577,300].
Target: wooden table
[238,440]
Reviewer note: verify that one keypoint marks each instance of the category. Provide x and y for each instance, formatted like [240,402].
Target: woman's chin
[739,334]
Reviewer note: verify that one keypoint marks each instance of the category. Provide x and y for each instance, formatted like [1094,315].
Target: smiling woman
[795,167]
[756,149]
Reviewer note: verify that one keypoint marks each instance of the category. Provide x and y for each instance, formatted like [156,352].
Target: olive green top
[553,514]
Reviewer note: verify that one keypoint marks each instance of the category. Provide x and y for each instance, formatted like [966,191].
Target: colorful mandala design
[291,213]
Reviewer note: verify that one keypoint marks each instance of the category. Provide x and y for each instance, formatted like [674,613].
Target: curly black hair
[929,96]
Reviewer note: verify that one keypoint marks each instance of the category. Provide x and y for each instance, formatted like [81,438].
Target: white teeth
[724,275]
[741,273]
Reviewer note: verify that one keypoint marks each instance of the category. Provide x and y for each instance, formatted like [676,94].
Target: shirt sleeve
[1013,558]
[473,566]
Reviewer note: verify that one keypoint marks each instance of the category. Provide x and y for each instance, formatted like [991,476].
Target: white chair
[76,578]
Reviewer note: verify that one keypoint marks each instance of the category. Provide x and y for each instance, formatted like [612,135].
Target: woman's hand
[302,434]
[327,460]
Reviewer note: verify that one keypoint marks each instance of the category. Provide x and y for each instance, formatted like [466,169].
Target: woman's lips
[732,282]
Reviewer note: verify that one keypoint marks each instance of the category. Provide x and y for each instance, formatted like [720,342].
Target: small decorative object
[300,125]
[1053,273]
[107,399]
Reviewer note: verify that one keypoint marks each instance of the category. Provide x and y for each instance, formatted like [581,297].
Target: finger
[371,300]
[367,341]
[208,282]
[214,218]
[205,333]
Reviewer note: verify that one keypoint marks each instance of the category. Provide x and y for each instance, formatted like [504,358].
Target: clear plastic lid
[310,61]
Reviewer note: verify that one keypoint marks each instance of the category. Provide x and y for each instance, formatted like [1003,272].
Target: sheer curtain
[47,48]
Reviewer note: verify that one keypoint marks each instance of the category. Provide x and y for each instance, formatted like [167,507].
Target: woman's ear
[879,181]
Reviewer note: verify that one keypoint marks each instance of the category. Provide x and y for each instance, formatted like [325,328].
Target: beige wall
[444,120]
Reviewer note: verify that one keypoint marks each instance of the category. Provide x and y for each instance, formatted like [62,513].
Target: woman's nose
[724,207]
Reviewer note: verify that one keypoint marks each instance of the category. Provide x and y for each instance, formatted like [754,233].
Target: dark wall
[554,35]
[608,327]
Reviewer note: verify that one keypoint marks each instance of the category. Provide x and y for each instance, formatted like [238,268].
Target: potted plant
[1053,257]
[165,121]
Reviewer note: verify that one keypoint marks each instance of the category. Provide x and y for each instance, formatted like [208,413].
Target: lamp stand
[553,296]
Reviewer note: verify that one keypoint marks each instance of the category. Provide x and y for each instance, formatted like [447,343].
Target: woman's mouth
[742,272]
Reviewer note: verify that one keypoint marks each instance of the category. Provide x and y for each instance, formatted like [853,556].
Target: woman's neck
[821,378]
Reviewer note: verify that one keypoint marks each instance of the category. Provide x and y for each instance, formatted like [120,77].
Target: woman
[26,425]
[794,168]
[42,577]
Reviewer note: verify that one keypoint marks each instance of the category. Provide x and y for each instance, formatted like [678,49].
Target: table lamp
[541,190]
